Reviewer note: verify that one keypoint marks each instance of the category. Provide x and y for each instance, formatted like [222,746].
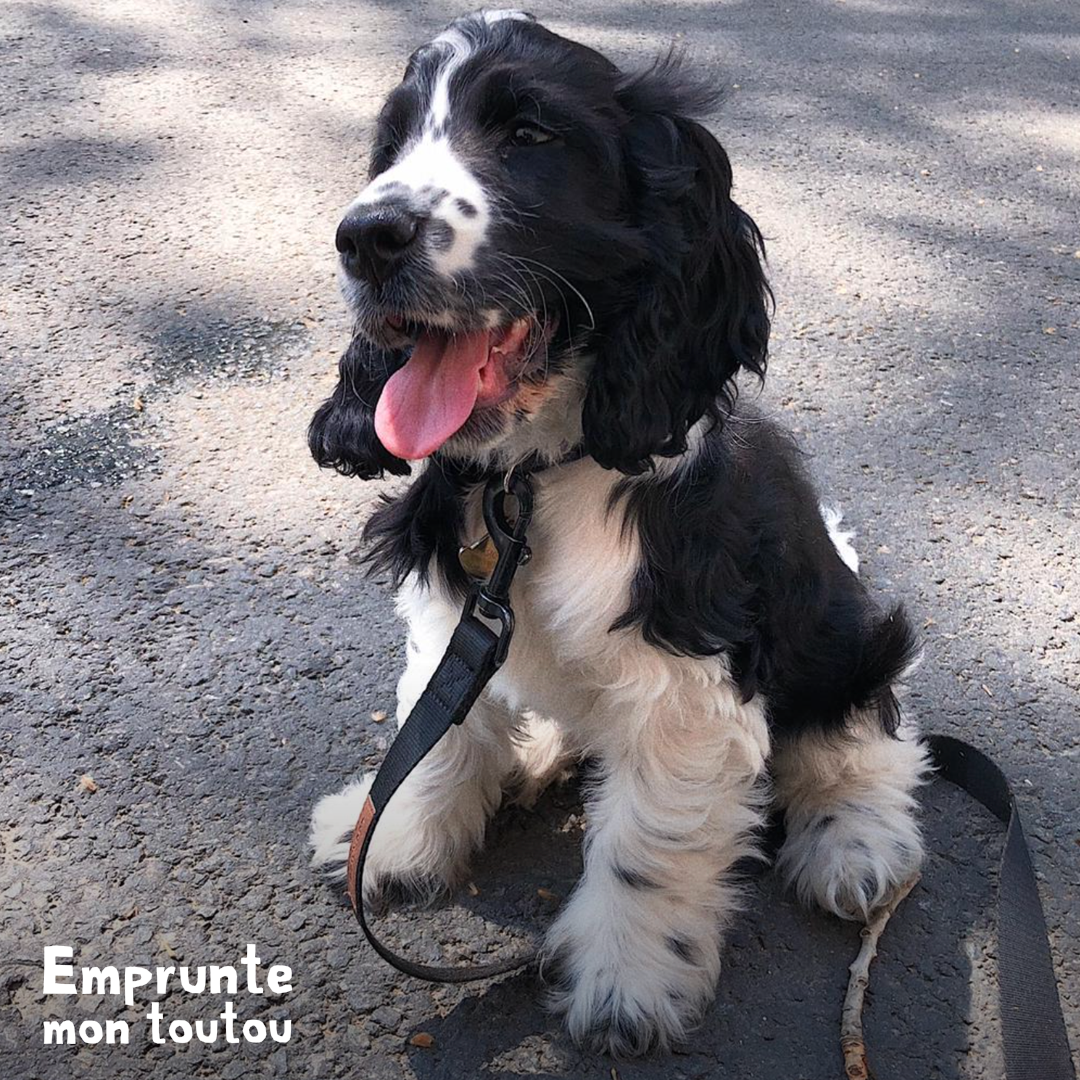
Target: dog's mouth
[449,376]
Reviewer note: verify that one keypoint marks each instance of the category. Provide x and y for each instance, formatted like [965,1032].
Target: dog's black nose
[373,240]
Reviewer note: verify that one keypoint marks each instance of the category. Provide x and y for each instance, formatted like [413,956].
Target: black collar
[470,472]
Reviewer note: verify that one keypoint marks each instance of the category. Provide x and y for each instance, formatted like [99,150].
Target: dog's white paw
[848,860]
[332,823]
[627,986]
[408,858]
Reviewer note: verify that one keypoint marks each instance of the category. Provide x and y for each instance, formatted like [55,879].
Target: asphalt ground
[183,617]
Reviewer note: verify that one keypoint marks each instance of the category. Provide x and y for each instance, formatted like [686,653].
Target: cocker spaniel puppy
[546,263]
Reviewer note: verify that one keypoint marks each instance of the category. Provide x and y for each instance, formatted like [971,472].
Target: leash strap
[1032,1024]
[473,656]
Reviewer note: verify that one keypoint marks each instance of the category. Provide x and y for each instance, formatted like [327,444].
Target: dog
[546,266]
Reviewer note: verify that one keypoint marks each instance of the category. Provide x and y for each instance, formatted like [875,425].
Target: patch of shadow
[89,44]
[38,163]
[224,348]
[99,449]
[113,58]
[109,447]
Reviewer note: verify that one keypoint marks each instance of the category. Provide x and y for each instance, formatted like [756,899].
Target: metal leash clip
[492,597]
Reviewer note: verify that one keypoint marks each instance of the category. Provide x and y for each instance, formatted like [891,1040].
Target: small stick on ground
[856,1066]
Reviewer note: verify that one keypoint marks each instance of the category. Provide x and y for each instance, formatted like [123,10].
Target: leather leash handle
[1033,1033]
[463,672]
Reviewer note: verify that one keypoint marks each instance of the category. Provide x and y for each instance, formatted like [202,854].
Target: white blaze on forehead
[455,51]
[456,48]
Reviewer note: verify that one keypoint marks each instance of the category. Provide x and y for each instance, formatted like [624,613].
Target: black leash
[1033,1027]
[1032,1024]
[473,656]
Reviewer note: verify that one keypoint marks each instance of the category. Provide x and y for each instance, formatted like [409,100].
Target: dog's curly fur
[689,621]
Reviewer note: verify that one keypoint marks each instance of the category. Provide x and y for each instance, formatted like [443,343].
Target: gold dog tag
[478,560]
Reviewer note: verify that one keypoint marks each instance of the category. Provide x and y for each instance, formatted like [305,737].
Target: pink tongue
[426,401]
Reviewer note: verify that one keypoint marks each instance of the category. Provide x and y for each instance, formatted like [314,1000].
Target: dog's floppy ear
[342,431]
[697,309]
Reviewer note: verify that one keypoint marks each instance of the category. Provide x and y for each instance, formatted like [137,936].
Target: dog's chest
[565,599]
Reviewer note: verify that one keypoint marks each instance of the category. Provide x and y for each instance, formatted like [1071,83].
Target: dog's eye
[530,135]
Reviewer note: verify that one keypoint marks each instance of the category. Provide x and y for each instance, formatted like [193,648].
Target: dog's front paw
[332,824]
[627,986]
[849,860]
[401,863]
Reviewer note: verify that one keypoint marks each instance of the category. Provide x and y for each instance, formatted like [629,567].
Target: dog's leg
[436,819]
[542,759]
[634,956]
[849,811]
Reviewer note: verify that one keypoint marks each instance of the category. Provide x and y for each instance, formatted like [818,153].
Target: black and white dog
[547,258]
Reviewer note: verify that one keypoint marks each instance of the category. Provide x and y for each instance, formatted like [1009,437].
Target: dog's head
[546,252]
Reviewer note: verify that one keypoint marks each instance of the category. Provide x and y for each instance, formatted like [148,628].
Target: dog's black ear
[697,308]
[342,431]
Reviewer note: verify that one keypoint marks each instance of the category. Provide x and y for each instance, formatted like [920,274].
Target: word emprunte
[61,978]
